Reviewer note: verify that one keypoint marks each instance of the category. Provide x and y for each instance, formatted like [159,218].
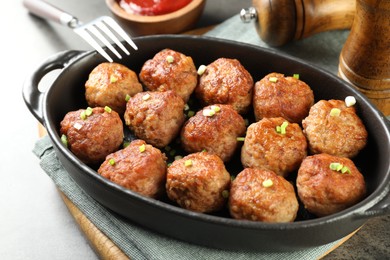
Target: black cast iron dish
[67,94]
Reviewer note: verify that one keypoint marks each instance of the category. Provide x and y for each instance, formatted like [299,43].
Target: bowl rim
[114,6]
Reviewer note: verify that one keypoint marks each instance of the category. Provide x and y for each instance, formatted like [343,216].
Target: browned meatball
[266,148]
[261,195]
[109,84]
[198,182]
[170,70]
[92,134]
[332,127]
[226,81]
[139,167]
[155,117]
[325,189]
[215,129]
[278,96]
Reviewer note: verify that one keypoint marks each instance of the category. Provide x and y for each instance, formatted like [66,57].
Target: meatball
[139,167]
[268,146]
[198,182]
[170,70]
[328,184]
[92,133]
[261,195]
[226,81]
[215,129]
[155,117]
[333,128]
[278,96]
[109,84]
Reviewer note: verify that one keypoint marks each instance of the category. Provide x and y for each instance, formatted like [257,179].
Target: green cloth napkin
[138,243]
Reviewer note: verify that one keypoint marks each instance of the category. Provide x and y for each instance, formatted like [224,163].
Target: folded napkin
[138,243]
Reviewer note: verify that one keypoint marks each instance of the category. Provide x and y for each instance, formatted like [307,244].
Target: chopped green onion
[111,161]
[77,125]
[208,112]
[107,109]
[190,113]
[170,59]
[88,111]
[273,79]
[125,144]
[142,148]
[241,139]
[225,194]
[188,163]
[335,112]
[113,79]
[282,128]
[64,140]
[215,108]
[83,115]
[267,183]
[350,101]
[145,97]
[178,157]
[201,69]
[334,166]
[186,107]
[167,148]
[296,76]
[127,98]
[345,169]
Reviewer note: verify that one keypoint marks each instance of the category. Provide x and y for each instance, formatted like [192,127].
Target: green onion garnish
[64,140]
[225,194]
[273,79]
[88,111]
[170,59]
[107,109]
[241,139]
[111,161]
[188,163]
[127,98]
[190,113]
[83,115]
[201,69]
[267,183]
[296,76]
[339,167]
[335,112]
[125,144]
[282,128]
[142,148]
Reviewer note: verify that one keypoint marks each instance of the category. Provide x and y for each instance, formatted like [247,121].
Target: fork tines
[95,30]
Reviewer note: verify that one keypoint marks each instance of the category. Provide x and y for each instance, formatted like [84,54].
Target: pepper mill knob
[365,57]
[281,21]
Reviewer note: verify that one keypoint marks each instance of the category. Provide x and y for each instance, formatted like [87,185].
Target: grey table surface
[34,221]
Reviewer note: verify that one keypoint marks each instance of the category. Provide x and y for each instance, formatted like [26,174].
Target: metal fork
[90,32]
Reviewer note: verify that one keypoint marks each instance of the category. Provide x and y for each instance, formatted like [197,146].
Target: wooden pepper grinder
[365,57]
[281,21]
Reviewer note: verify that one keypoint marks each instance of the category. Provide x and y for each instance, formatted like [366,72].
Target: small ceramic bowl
[176,22]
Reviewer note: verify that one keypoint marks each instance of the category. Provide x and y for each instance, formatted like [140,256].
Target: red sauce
[152,7]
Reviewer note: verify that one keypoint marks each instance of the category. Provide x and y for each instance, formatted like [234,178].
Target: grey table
[34,221]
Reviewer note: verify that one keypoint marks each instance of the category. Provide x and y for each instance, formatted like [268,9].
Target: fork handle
[50,12]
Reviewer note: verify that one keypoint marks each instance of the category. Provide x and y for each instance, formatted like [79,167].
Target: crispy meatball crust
[288,97]
[109,84]
[265,148]
[343,135]
[252,198]
[139,167]
[216,134]
[324,191]
[155,117]
[180,75]
[200,185]
[226,81]
[93,138]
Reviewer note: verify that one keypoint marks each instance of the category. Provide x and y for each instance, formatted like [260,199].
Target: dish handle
[380,207]
[32,95]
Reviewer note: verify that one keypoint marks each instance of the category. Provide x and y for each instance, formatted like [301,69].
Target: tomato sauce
[152,7]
